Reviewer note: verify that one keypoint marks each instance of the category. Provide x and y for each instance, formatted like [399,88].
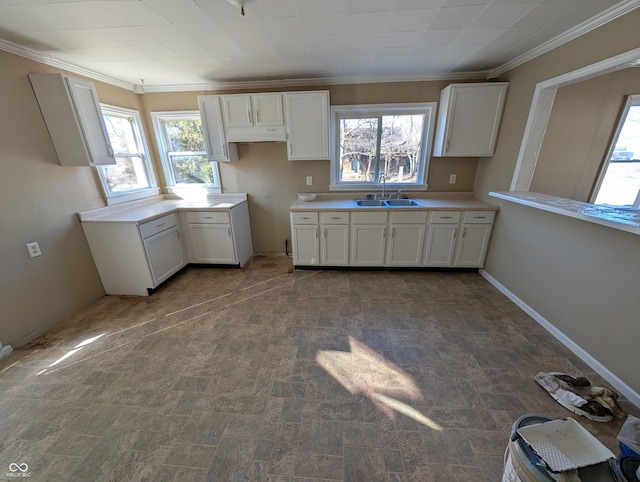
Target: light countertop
[452,203]
[141,211]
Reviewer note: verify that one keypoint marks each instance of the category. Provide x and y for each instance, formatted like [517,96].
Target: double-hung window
[619,181]
[183,153]
[377,143]
[132,175]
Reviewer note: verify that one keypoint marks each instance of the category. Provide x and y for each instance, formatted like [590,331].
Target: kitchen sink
[402,202]
[370,202]
[386,203]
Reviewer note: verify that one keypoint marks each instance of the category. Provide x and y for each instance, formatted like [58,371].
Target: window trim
[162,143]
[338,111]
[134,194]
[632,100]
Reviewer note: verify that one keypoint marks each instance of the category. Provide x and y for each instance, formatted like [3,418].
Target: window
[183,153]
[371,141]
[619,182]
[132,176]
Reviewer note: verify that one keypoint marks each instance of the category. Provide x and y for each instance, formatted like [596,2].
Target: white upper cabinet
[218,149]
[469,119]
[71,111]
[252,110]
[307,125]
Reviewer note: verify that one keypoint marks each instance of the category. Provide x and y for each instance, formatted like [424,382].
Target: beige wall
[578,134]
[579,276]
[39,200]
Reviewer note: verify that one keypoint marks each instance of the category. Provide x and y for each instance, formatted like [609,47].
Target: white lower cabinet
[218,237]
[334,240]
[394,238]
[131,258]
[305,239]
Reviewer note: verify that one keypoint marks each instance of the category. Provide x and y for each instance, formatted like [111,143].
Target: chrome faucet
[398,195]
[384,183]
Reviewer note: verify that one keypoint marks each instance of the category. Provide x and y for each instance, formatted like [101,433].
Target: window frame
[139,134]
[428,109]
[632,100]
[165,155]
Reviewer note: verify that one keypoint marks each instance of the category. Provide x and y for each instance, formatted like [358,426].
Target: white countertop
[141,211]
[453,203]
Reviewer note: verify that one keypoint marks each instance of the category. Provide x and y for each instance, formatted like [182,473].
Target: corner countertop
[429,201]
[150,208]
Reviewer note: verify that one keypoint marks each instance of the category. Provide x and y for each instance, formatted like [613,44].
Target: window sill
[617,218]
[132,196]
[377,187]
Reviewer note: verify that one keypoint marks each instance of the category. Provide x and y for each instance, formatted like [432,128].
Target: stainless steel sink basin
[386,203]
[370,202]
[403,202]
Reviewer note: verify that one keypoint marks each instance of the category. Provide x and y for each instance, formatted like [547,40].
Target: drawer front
[158,225]
[445,217]
[478,217]
[370,218]
[332,217]
[304,218]
[208,217]
[404,217]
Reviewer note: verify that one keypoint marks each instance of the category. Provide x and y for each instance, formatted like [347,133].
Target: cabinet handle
[224,150]
[455,233]
[393,233]
[446,217]
[479,217]
[316,233]
[304,218]
[178,234]
[384,233]
[229,231]
[291,149]
[207,217]
[335,217]
[249,116]
[447,147]
[160,225]
[325,233]
[464,232]
[258,116]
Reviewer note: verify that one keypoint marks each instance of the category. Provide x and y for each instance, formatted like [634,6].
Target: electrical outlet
[452,178]
[309,180]
[34,249]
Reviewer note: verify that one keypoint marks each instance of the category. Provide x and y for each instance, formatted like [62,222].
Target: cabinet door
[165,254]
[335,245]
[305,245]
[469,119]
[217,147]
[267,110]
[473,244]
[367,244]
[213,243]
[307,125]
[406,245]
[237,110]
[441,242]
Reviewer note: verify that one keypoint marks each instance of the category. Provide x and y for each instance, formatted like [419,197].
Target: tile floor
[215,377]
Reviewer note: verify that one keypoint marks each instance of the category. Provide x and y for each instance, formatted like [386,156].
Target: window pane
[184,135]
[358,144]
[128,174]
[191,169]
[121,134]
[621,181]
[400,147]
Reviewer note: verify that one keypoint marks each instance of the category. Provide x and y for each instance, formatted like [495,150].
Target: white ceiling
[195,44]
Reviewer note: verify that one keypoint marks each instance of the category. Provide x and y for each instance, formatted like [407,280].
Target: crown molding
[47,59]
[317,81]
[585,27]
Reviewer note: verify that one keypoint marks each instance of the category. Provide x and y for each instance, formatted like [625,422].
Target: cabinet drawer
[370,218]
[414,217]
[445,217]
[208,217]
[304,218]
[158,225]
[334,217]
[478,217]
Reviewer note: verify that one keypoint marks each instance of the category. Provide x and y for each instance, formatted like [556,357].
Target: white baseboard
[598,367]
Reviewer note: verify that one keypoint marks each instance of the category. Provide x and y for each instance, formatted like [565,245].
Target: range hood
[257,134]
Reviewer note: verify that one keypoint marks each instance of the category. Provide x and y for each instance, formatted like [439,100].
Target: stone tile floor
[219,376]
